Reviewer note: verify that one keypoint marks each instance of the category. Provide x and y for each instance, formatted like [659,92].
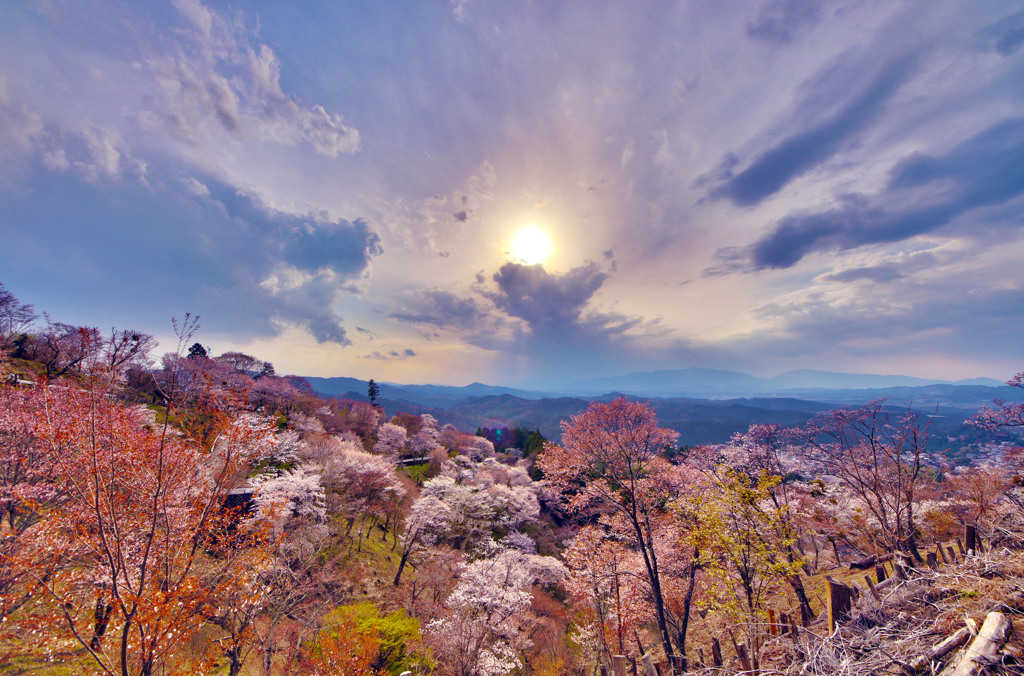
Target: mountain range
[704,405]
[697,383]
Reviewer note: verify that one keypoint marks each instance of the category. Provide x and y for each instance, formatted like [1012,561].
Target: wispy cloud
[800,152]
[924,193]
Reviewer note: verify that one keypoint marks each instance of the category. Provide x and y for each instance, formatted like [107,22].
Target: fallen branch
[984,648]
[941,649]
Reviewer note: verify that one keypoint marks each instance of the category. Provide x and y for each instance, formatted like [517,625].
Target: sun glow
[530,246]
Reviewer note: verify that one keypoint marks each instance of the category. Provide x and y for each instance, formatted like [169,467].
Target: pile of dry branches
[960,620]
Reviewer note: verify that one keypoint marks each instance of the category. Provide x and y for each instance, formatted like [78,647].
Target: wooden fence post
[839,603]
[741,652]
[952,554]
[972,539]
[880,572]
[933,561]
[716,652]
[871,586]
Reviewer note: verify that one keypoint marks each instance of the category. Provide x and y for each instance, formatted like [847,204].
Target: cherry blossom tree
[482,634]
[27,492]
[1003,413]
[428,518]
[478,448]
[288,495]
[391,440]
[879,458]
[611,457]
[361,484]
[15,318]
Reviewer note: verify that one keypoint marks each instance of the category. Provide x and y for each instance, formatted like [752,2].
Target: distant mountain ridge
[704,405]
[694,383]
[704,382]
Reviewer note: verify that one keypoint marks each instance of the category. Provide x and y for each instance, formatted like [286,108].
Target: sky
[337,187]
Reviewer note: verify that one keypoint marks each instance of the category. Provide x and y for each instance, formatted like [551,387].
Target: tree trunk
[801,595]
[401,565]
[651,564]
[687,602]
[235,660]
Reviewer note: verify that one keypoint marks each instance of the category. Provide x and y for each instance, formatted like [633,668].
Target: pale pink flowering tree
[391,440]
[362,484]
[427,518]
[294,494]
[485,629]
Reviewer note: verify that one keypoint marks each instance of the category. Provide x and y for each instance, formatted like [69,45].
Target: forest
[192,513]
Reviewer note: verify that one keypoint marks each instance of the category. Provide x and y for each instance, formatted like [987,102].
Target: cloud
[217,80]
[442,308]
[247,268]
[392,355]
[524,309]
[435,223]
[798,153]
[887,270]
[547,302]
[934,314]
[924,193]
[92,151]
[472,318]
[1005,36]
[309,260]
[778,21]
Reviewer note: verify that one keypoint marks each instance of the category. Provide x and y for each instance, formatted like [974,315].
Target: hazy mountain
[431,396]
[810,379]
[717,384]
[698,421]
[697,384]
[695,380]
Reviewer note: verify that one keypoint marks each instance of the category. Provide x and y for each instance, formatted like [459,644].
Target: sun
[530,246]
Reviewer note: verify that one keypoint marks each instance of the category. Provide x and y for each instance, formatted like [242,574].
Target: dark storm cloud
[778,21]
[547,302]
[801,152]
[525,309]
[924,193]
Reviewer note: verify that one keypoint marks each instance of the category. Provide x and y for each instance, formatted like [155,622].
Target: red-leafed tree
[138,552]
[140,526]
